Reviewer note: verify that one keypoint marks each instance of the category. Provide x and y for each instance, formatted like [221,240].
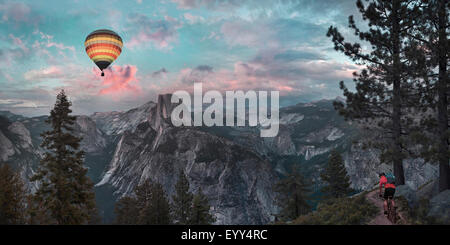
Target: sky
[168,45]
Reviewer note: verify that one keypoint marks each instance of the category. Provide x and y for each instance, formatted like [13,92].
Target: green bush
[342,211]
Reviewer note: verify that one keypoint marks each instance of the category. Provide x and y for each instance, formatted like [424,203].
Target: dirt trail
[380,219]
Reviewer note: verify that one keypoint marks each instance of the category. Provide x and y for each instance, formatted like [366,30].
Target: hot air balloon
[103,47]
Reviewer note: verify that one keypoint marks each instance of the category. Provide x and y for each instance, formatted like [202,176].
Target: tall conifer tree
[182,200]
[65,192]
[335,175]
[153,205]
[431,36]
[293,196]
[199,214]
[383,93]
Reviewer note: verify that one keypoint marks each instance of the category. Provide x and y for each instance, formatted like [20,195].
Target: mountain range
[234,166]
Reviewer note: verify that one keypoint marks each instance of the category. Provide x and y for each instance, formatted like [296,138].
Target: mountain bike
[392,215]
[391,212]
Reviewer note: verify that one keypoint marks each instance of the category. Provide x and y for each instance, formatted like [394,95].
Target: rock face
[115,123]
[20,144]
[440,207]
[428,190]
[23,135]
[14,138]
[6,148]
[237,181]
[17,149]
[363,167]
[94,140]
[409,194]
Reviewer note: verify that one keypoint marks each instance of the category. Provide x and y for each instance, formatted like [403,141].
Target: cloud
[18,42]
[160,72]
[292,55]
[219,5]
[45,46]
[193,19]
[49,42]
[18,103]
[145,31]
[17,52]
[198,74]
[120,80]
[255,44]
[45,73]
[115,19]
[293,73]
[189,4]
[120,84]
[204,68]
[269,6]
[246,33]
[18,13]
[20,51]
[33,102]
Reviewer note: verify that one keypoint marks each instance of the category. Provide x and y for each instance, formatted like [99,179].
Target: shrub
[341,211]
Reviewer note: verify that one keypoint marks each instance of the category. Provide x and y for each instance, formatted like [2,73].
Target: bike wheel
[392,216]
[389,216]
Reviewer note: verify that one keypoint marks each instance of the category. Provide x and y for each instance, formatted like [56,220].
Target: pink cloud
[243,76]
[289,78]
[119,80]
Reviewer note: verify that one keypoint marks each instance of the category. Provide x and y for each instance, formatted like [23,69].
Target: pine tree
[293,196]
[442,87]
[384,91]
[335,175]
[199,214]
[152,203]
[182,200]
[127,211]
[432,38]
[12,197]
[65,192]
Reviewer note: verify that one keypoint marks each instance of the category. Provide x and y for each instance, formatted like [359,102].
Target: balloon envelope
[103,47]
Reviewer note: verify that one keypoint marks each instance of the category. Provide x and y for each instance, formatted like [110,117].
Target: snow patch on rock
[291,118]
[335,134]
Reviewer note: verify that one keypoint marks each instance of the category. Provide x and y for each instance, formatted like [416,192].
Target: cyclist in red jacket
[389,191]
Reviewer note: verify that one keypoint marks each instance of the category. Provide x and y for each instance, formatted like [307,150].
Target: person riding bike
[389,189]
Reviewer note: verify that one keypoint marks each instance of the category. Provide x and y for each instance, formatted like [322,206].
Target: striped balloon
[103,47]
